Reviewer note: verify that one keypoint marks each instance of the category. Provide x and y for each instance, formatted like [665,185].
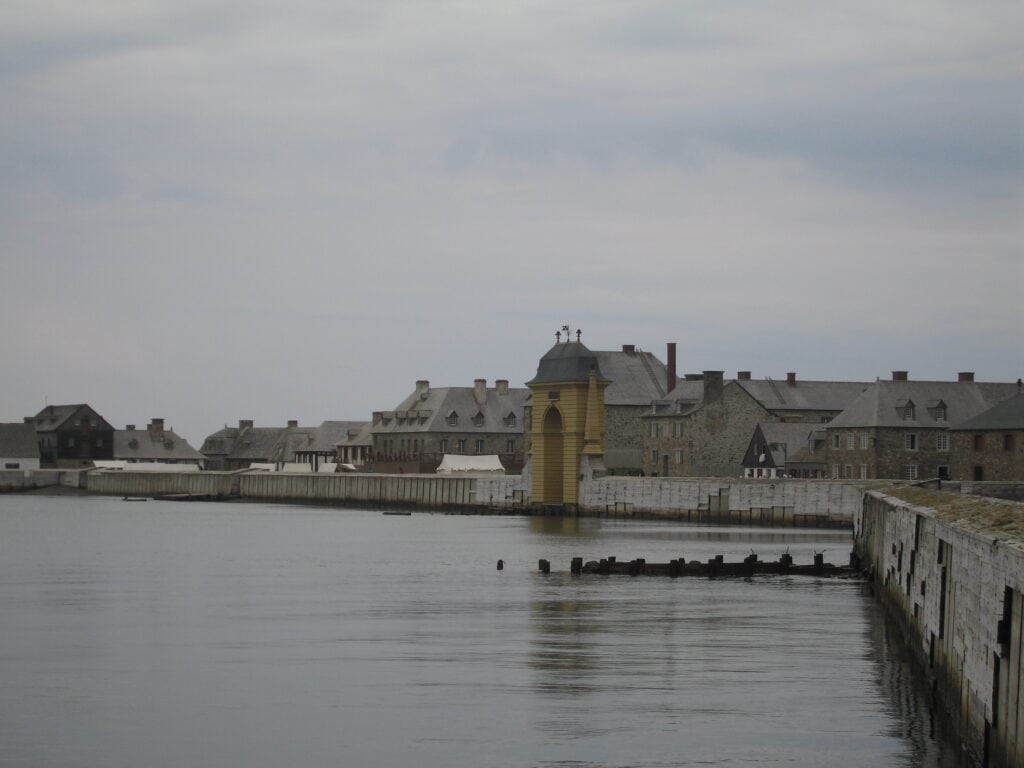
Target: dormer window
[940,412]
[908,412]
[510,420]
[478,420]
[452,420]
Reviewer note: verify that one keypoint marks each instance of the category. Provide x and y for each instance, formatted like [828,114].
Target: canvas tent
[457,463]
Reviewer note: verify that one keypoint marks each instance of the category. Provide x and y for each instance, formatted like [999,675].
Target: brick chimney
[422,388]
[791,378]
[245,423]
[129,427]
[293,423]
[670,367]
[629,349]
[480,391]
[156,429]
[965,376]
[743,375]
[899,375]
[501,386]
[712,386]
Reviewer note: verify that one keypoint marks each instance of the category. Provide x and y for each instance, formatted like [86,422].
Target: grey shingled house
[433,421]
[239,447]
[154,443]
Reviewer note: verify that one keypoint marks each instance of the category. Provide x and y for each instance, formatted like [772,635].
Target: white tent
[480,465]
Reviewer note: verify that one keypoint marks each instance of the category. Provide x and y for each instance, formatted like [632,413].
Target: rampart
[951,569]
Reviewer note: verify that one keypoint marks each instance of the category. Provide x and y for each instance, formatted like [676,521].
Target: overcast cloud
[222,210]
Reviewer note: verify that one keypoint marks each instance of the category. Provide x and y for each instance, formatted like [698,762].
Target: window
[460,446]
[835,440]
[908,412]
[910,472]
[71,442]
[910,441]
[940,412]
[453,419]
[863,471]
[443,445]
[510,420]
[479,446]
[677,429]
[679,455]
[654,429]
[942,442]
[478,420]
[510,446]
[835,471]
[654,456]
[1008,442]
[979,442]
[943,472]
[99,442]
[11,465]
[851,441]
[848,471]
[865,441]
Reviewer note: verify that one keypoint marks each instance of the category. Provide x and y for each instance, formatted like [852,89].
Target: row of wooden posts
[715,566]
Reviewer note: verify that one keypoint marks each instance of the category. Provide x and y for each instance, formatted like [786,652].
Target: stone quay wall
[15,480]
[128,483]
[711,500]
[958,593]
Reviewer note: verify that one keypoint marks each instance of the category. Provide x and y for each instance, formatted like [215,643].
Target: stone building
[900,428]
[154,444]
[72,436]
[704,428]
[990,445]
[434,421]
[355,448]
[239,447]
[321,446]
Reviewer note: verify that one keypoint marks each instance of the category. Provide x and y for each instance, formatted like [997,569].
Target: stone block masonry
[951,569]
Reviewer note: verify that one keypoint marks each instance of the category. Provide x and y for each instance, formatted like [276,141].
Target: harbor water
[203,634]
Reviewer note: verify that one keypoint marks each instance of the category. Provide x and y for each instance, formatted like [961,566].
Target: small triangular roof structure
[483,464]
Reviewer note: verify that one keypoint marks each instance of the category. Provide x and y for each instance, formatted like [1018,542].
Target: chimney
[965,376]
[293,423]
[29,419]
[480,391]
[422,388]
[245,423]
[156,428]
[629,349]
[899,375]
[712,386]
[743,375]
[791,378]
[129,427]
[501,385]
[671,367]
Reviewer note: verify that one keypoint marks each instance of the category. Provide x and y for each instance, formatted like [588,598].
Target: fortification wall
[958,593]
[753,502]
[128,483]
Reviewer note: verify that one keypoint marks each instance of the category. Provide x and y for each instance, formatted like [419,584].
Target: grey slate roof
[52,417]
[428,411]
[142,445]
[882,403]
[362,435]
[790,439]
[804,395]
[329,434]
[18,441]
[258,443]
[1008,414]
[569,361]
[636,378]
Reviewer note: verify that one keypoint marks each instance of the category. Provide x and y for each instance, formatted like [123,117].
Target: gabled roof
[881,404]
[636,378]
[258,443]
[786,442]
[1009,414]
[18,441]
[145,445]
[803,395]
[53,417]
[361,435]
[329,434]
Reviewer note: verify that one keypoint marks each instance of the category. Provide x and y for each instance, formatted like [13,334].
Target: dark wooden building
[72,436]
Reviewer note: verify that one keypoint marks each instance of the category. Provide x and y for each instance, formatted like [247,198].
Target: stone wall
[710,500]
[129,483]
[958,593]
[998,460]
[886,455]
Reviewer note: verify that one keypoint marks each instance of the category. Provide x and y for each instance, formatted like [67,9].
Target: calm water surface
[163,634]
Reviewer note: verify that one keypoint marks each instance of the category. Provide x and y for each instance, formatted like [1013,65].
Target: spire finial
[578,334]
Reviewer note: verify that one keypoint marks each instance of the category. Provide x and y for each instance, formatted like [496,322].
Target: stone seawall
[15,480]
[957,587]
[160,483]
[711,500]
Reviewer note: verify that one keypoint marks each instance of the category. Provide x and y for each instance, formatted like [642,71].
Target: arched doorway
[554,457]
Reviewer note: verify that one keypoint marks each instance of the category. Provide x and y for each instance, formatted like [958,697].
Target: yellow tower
[567,429]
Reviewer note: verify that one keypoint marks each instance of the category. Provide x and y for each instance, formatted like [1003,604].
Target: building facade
[990,446]
[72,436]
[154,444]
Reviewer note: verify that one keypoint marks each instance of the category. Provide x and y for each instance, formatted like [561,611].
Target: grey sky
[222,210]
